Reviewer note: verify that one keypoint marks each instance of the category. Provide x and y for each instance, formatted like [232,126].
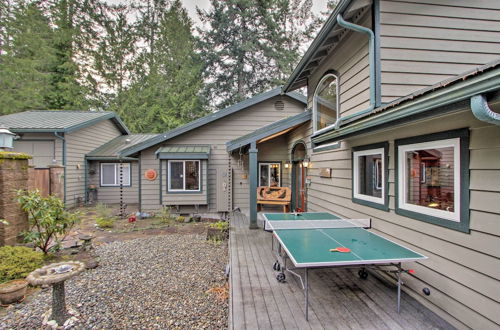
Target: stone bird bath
[55,275]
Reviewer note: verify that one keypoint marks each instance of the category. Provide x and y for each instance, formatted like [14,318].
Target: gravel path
[147,283]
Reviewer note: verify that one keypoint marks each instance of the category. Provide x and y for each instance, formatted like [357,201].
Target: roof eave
[463,90]
[320,38]
[112,116]
[268,130]
[210,118]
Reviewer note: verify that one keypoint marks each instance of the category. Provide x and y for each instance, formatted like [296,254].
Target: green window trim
[385,181]
[464,215]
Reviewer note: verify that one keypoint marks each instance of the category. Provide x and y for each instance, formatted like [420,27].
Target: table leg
[399,285]
[307,294]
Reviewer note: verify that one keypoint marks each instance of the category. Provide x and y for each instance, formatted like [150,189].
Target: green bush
[17,262]
[49,221]
[165,215]
[222,225]
[103,211]
[180,218]
[105,222]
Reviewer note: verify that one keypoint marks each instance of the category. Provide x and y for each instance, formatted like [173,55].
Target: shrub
[105,222]
[180,218]
[18,261]
[222,225]
[103,211]
[165,215]
[49,221]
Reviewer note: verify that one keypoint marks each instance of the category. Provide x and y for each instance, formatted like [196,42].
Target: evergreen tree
[25,58]
[167,84]
[251,45]
[74,34]
[113,56]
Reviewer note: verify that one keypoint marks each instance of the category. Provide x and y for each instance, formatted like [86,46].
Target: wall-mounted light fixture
[6,138]
[306,162]
[287,164]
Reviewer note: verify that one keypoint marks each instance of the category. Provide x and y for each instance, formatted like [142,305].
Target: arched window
[326,102]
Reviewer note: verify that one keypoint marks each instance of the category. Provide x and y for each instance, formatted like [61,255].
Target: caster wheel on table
[280,277]
[363,274]
[276,266]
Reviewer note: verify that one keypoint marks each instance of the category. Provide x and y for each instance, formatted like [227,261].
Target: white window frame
[117,175]
[183,161]
[269,178]
[315,107]
[403,184]
[356,193]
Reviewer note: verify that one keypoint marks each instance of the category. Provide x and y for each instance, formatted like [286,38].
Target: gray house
[63,138]
[405,101]
[189,168]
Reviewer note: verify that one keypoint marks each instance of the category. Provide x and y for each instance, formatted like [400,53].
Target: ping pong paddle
[340,249]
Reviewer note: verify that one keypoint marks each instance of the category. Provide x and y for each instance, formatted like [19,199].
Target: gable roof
[112,149]
[211,118]
[327,38]
[62,121]
[269,130]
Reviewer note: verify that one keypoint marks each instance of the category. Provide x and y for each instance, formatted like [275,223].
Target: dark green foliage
[26,54]
[18,261]
[48,219]
[165,92]
[250,46]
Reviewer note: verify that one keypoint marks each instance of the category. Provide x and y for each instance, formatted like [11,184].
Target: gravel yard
[147,283]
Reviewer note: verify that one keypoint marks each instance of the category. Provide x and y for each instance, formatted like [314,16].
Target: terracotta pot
[12,291]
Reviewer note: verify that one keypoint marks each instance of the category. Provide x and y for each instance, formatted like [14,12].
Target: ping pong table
[306,239]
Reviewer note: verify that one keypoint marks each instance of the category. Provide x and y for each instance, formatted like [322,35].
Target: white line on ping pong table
[323,232]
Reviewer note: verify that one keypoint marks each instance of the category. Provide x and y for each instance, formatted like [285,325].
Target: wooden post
[56,173]
[252,159]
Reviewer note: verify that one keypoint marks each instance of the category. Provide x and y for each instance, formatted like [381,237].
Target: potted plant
[16,262]
[13,291]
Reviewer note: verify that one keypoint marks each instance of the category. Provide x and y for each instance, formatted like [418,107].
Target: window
[430,177]
[370,175]
[184,175]
[110,174]
[326,102]
[270,174]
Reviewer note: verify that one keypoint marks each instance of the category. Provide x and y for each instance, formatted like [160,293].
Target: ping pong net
[318,224]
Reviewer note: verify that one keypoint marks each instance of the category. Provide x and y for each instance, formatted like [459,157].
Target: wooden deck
[338,299]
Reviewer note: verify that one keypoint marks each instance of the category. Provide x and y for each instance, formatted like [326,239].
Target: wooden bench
[274,196]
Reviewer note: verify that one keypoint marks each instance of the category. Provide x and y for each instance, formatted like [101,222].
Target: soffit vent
[279,105]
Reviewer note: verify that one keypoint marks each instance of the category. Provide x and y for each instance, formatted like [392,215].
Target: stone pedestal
[13,176]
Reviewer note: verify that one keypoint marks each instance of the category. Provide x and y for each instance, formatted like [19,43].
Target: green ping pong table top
[311,247]
[301,216]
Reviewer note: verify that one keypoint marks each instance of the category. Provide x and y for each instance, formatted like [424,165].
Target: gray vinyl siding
[45,138]
[216,134]
[463,270]
[111,195]
[424,42]
[351,62]
[79,143]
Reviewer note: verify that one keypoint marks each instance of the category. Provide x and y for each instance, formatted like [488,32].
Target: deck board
[338,299]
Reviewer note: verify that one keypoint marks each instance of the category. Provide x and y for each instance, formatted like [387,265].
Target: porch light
[287,164]
[6,138]
[306,162]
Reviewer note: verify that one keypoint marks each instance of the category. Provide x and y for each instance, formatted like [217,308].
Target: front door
[299,187]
